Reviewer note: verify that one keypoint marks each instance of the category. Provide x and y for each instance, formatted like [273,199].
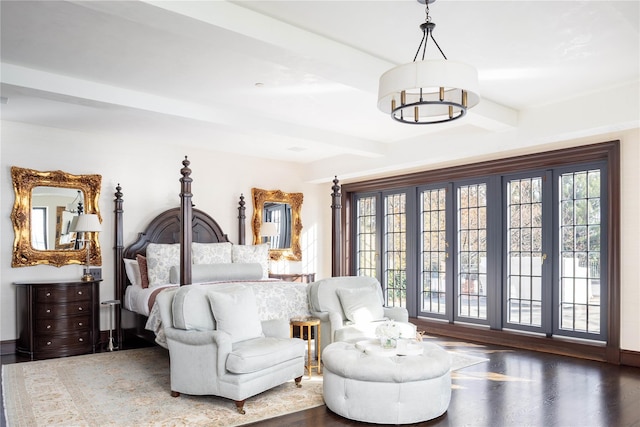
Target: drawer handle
[48,326]
[48,294]
[48,310]
[48,342]
[80,339]
[79,292]
[79,323]
[79,308]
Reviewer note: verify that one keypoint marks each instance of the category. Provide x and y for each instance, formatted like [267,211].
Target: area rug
[130,388]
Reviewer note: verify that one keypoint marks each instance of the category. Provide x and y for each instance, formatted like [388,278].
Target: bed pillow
[202,273]
[252,254]
[142,266]
[132,268]
[236,313]
[211,253]
[360,304]
[160,259]
[191,310]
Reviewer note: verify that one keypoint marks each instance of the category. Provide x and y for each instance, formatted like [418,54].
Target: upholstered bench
[386,389]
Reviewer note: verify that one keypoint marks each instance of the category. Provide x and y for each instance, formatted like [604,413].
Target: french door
[520,251]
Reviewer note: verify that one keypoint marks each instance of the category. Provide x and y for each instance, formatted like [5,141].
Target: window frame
[609,152]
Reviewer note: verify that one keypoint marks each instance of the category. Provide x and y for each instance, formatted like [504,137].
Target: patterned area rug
[131,388]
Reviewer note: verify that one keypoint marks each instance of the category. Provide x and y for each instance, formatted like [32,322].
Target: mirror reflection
[53,210]
[276,225]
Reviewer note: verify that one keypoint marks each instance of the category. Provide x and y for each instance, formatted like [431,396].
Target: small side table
[308,323]
[111,304]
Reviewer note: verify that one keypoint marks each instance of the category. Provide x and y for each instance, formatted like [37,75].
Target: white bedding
[136,298]
[276,300]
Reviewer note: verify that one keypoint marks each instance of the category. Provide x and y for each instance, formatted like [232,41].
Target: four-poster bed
[188,227]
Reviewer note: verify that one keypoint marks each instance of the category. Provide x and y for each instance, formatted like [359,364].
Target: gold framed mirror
[26,250]
[279,212]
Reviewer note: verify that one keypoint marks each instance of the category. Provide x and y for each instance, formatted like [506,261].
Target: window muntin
[433,252]
[580,251]
[366,236]
[471,283]
[395,250]
[524,234]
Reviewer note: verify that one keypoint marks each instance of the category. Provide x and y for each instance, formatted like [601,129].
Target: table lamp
[87,223]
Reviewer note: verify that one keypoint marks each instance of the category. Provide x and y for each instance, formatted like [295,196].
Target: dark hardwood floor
[514,388]
[518,388]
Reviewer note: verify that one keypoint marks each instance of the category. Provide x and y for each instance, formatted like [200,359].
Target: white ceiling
[297,80]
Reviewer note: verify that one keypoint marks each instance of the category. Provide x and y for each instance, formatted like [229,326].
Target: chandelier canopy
[428,91]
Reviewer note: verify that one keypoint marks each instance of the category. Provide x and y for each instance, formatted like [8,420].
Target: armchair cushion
[236,313]
[262,353]
[360,304]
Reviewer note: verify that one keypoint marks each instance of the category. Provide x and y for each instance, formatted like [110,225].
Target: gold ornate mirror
[279,213]
[46,198]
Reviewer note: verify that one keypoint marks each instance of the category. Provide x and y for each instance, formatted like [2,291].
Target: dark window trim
[607,151]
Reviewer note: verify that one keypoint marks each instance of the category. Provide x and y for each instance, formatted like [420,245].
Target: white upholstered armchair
[218,346]
[350,308]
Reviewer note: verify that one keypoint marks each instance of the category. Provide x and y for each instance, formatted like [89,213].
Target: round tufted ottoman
[386,390]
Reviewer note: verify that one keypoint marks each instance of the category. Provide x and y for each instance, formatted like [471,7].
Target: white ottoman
[386,390]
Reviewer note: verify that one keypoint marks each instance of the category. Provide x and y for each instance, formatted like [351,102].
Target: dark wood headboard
[165,228]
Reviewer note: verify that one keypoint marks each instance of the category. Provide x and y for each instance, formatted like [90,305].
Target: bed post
[336,237]
[119,251]
[241,218]
[186,214]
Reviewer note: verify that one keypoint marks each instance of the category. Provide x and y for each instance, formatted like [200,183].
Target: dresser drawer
[71,324]
[57,342]
[62,310]
[62,294]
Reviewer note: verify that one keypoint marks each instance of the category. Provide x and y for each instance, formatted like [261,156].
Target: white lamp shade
[88,223]
[430,75]
[268,229]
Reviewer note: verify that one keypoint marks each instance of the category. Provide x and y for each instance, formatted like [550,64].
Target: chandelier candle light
[87,223]
[428,91]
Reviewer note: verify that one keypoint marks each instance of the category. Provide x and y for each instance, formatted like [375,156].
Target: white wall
[630,242]
[149,176]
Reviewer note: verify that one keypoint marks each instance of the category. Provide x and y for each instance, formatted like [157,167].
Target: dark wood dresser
[58,318]
[294,277]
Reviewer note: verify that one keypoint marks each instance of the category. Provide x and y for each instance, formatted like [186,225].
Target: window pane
[395,251]
[524,245]
[366,237]
[472,251]
[433,252]
[580,252]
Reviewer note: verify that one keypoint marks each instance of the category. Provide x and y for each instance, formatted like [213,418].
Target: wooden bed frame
[182,225]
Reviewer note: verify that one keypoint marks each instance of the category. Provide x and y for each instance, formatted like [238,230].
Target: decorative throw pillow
[160,258]
[251,254]
[132,268]
[360,304]
[211,253]
[236,312]
[142,266]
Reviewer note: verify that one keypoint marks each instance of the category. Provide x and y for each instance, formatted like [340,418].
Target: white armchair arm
[399,314]
[208,346]
[333,318]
